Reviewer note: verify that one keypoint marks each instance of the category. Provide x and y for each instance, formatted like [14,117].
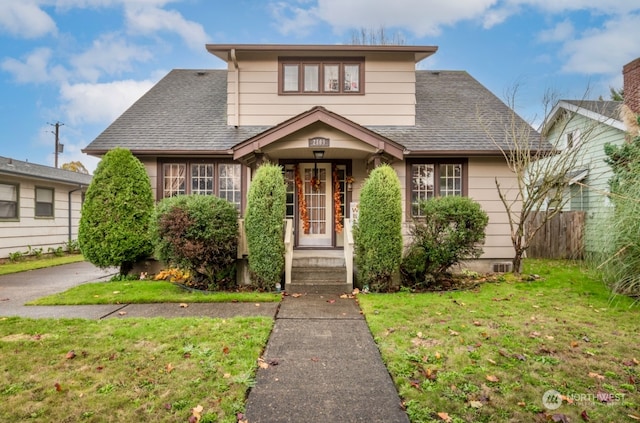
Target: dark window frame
[188,163]
[16,217]
[48,214]
[320,62]
[436,162]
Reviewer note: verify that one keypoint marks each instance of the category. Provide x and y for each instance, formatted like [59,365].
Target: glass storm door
[317,189]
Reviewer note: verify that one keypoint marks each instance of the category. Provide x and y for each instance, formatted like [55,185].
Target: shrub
[450,231]
[114,225]
[198,233]
[622,268]
[266,208]
[378,231]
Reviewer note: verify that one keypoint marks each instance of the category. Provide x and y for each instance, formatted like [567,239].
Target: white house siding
[384,102]
[44,233]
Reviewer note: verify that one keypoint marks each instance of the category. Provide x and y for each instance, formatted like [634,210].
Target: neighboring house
[327,114]
[39,206]
[589,126]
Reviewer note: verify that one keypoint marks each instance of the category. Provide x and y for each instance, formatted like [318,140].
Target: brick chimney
[631,87]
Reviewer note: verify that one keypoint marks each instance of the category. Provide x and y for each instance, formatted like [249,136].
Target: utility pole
[59,147]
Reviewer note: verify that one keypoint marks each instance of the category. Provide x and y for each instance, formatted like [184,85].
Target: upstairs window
[321,76]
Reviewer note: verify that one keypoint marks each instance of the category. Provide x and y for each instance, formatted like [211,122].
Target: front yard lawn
[130,370]
[146,291]
[492,353]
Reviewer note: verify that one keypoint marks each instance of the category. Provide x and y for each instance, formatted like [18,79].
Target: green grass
[146,291]
[23,266]
[128,370]
[490,354]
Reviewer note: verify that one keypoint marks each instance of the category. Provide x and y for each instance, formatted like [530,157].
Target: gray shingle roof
[187,110]
[31,170]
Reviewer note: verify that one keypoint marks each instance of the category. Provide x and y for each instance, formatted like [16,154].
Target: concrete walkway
[323,366]
[320,364]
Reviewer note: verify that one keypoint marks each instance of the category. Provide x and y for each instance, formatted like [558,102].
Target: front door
[317,231]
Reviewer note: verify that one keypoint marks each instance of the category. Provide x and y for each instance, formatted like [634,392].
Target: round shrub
[114,224]
[198,233]
[378,231]
[450,230]
[264,225]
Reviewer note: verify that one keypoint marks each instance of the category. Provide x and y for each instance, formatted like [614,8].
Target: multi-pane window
[44,202]
[8,201]
[321,76]
[203,178]
[434,179]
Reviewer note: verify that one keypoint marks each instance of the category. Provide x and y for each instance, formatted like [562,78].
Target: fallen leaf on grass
[595,375]
[477,323]
[492,378]
[116,292]
[574,344]
[71,354]
[475,404]
[491,361]
[58,387]
[453,332]
[561,418]
[444,416]
[169,368]
[633,416]
[196,414]
[584,415]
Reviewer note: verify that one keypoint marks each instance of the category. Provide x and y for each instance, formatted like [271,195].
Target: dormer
[370,85]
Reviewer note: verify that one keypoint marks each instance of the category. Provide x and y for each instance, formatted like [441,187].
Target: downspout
[234,59]
[69,206]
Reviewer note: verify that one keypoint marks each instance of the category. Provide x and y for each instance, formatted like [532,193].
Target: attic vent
[502,267]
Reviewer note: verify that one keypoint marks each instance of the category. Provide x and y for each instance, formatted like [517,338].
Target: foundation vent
[502,267]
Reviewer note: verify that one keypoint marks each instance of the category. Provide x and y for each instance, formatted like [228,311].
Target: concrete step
[326,289]
[319,275]
[318,261]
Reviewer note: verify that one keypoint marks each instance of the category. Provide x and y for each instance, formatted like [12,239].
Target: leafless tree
[544,164]
[369,36]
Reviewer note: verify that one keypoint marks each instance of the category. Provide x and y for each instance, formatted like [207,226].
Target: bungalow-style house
[39,207]
[589,126]
[327,114]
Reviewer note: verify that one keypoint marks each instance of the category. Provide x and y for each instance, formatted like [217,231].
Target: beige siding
[482,188]
[384,103]
[40,233]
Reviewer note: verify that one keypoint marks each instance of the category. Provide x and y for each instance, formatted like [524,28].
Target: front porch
[308,270]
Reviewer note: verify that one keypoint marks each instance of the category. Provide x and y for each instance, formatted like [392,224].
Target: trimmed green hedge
[378,231]
[198,233]
[264,225]
[114,226]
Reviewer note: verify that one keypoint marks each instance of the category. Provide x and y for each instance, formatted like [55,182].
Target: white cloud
[148,20]
[100,103]
[601,6]
[35,68]
[563,31]
[420,17]
[110,55]
[23,18]
[604,50]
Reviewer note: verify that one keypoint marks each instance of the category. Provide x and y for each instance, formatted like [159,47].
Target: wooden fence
[560,238]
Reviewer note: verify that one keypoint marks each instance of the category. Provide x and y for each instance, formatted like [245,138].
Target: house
[327,114]
[39,206]
[589,126]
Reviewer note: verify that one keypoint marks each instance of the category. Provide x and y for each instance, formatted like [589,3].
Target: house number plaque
[319,142]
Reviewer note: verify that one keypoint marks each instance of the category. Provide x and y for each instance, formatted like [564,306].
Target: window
[44,202]
[203,178]
[8,201]
[321,76]
[572,139]
[431,179]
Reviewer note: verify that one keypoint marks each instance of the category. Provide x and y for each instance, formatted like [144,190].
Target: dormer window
[321,76]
